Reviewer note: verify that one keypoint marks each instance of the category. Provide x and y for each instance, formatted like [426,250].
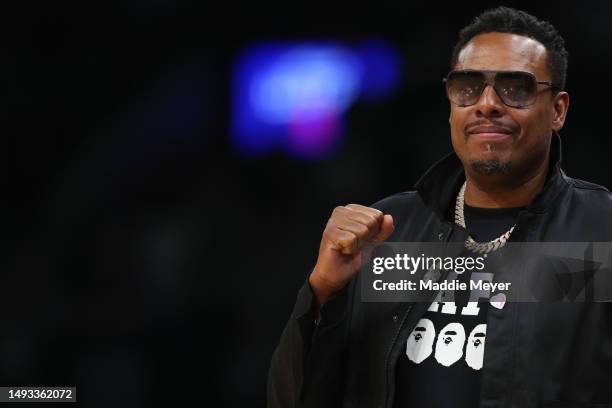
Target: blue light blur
[292,96]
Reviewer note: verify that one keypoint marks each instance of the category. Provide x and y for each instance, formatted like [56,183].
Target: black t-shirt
[440,367]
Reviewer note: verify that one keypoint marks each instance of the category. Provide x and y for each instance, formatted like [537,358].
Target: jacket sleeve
[308,366]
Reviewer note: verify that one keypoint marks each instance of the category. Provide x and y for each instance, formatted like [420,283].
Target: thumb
[386,229]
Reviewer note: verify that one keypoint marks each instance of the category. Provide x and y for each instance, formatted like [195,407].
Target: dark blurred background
[159,246]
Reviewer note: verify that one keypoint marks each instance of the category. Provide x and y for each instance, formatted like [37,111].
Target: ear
[560,104]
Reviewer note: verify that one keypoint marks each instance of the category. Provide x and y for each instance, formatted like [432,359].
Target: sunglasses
[517,89]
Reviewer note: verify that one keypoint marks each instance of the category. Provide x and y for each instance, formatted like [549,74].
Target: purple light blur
[292,96]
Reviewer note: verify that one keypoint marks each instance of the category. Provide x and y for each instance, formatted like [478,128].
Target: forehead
[504,52]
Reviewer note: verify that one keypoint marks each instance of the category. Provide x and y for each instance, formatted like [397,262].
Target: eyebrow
[450,332]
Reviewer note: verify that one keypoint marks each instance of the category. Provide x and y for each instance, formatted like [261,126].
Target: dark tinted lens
[464,88]
[516,88]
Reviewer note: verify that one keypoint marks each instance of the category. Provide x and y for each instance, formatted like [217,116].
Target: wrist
[321,288]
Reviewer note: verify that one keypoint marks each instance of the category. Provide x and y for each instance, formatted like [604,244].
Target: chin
[490,166]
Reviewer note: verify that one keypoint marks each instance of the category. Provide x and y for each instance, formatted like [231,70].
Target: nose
[489,104]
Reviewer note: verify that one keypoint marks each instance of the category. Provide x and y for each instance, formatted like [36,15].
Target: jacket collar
[440,184]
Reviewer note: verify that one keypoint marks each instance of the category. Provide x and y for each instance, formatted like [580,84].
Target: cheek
[455,116]
[534,125]
[457,123]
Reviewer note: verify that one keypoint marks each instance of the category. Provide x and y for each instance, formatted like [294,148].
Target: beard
[489,167]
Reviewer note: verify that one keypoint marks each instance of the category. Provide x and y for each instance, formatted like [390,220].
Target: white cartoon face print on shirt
[474,349]
[449,348]
[420,343]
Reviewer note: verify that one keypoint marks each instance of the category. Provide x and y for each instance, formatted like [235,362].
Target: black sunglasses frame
[490,78]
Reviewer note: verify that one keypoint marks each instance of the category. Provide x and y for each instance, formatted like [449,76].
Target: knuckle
[363,230]
[347,241]
[330,233]
[371,221]
[378,215]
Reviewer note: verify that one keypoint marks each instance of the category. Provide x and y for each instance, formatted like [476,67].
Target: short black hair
[508,20]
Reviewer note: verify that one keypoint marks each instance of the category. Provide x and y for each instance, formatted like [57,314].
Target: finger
[368,210]
[360,230]
[386,229]
[371,222]
[343,241]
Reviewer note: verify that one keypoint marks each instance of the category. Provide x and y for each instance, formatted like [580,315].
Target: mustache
[508,127]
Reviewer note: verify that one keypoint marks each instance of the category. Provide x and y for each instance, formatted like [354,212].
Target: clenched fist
[347,230]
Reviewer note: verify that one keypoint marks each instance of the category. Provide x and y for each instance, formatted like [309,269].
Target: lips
[489,132]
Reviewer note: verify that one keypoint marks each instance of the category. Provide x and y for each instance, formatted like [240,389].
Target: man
[503,183]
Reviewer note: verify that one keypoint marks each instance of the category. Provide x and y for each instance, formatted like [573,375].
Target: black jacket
[536,354]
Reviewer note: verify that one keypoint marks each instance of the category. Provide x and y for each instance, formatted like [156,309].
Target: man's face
[495,140]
